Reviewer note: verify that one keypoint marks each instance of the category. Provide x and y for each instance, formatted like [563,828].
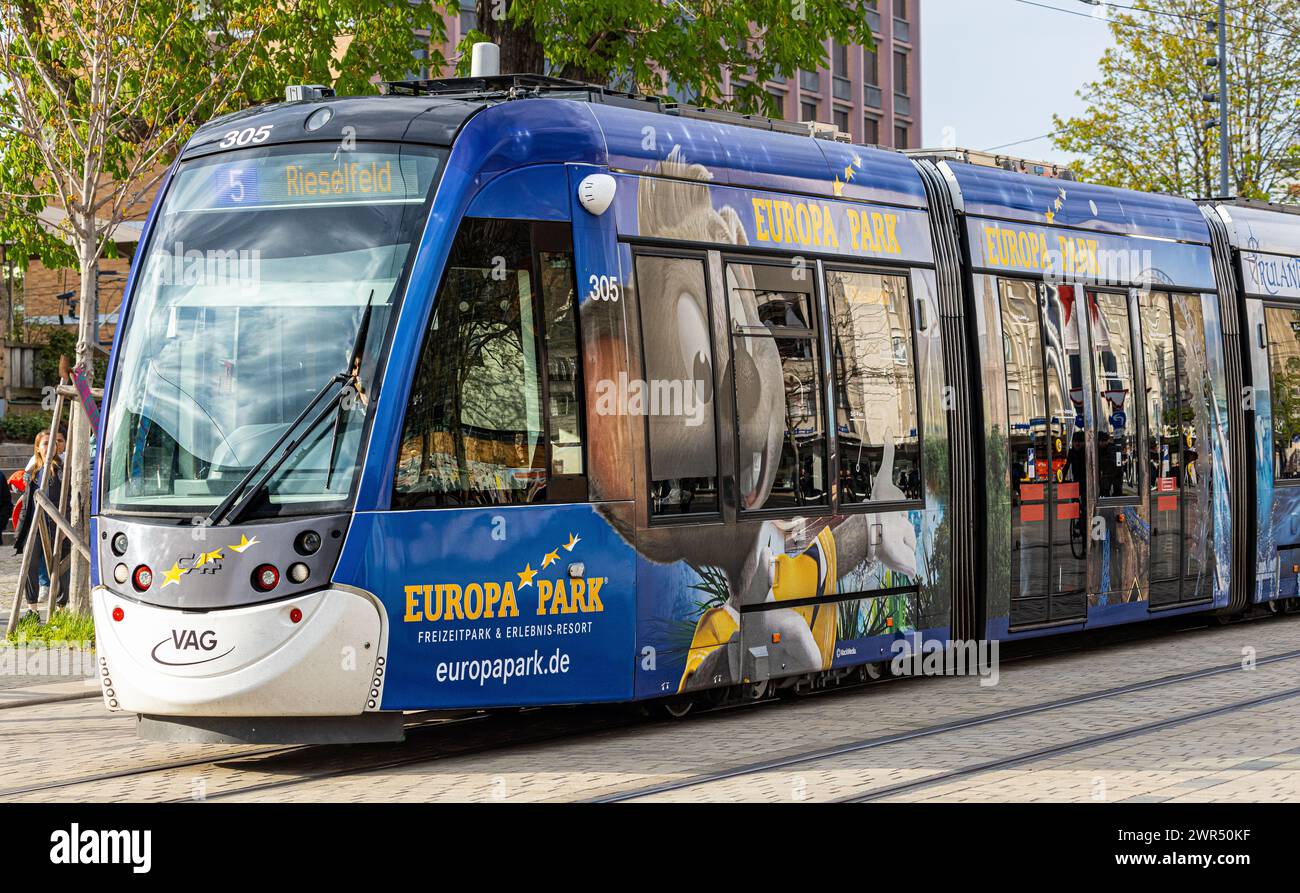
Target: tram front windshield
[270,271]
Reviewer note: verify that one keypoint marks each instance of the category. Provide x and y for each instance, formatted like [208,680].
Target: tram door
[1046,394]
[1173,339]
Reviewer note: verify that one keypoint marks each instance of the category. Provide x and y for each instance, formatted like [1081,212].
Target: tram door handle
[876,534]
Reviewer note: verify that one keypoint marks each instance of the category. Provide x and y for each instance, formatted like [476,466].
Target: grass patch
[64,628]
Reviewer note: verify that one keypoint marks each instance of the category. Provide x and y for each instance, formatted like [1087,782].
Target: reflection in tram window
[1164,425]
[1026,397]
[563,361]
[1283,325]
[880,446]
[475,429]
[1112,348]
[1065,391]
[781,438]
[679,370]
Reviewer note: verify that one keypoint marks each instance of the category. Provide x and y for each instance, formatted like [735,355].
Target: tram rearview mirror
[596,192]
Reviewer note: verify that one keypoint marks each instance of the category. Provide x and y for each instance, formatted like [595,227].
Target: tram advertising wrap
[500,605]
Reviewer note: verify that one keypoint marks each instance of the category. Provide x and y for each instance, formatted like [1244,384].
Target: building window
[900,72]
[842,120]
[778,100]
[876,396]
[900,9]
[900,136]
[870,68]
[871,130]
[840,60]
[807,111]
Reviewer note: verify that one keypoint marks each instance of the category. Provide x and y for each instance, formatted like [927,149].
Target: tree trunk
[521,51]
[79,435]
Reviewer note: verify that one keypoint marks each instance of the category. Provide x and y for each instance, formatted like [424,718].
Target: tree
[1145,123]
[98,96]
[679,47]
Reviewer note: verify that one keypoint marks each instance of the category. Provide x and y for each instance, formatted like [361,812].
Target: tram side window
[875,387]
[1112,351]
[479,428]
[781,439]
[677,392]
[1283,326]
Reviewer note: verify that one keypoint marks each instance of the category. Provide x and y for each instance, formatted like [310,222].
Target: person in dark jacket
[51,465]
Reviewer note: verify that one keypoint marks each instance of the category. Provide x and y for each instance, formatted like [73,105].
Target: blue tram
[515,391]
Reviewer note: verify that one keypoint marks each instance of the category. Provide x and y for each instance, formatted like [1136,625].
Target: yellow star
[848,172]
[573,541]
[550,558]
[838,187]
[174,575]
[526,576]
[857,160]
[214,555]
[1050,216]
[243,544]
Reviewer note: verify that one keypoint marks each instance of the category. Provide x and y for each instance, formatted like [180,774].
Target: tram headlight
[266,577]
[120,573]
[307,543]
[299,572]
[119,544]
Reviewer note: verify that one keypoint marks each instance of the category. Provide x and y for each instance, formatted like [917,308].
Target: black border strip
[834,598]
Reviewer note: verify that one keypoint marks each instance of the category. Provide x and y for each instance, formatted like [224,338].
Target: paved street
[1237,753]
[17,684]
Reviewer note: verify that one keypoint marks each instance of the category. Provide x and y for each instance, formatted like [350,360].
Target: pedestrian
[37,585]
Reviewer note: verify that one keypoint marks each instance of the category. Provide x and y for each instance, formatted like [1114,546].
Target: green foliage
[58,341]
[1144,126]
[116,89]
[64,628]
[1286,400]
[23,427]
[680,48]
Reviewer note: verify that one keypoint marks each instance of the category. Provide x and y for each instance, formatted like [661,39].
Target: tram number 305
[604,288]
[246,136]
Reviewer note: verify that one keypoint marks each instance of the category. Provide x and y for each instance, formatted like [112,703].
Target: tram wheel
[871,672]
[678,707]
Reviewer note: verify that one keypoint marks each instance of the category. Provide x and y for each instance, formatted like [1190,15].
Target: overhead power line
[1133,25]
[1032,139]
[1202,19]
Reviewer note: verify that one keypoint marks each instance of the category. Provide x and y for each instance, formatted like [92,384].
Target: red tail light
[266,577]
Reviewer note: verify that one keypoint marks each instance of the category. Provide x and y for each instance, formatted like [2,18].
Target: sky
[995,71]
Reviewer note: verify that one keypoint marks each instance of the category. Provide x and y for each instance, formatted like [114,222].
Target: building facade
[872,95]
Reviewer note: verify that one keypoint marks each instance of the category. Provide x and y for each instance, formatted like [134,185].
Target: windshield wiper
[354,382]
[237,501]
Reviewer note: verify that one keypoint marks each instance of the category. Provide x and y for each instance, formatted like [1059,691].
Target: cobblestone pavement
[30,670]
[1245,754]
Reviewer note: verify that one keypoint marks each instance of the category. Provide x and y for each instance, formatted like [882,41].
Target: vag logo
[186,642]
